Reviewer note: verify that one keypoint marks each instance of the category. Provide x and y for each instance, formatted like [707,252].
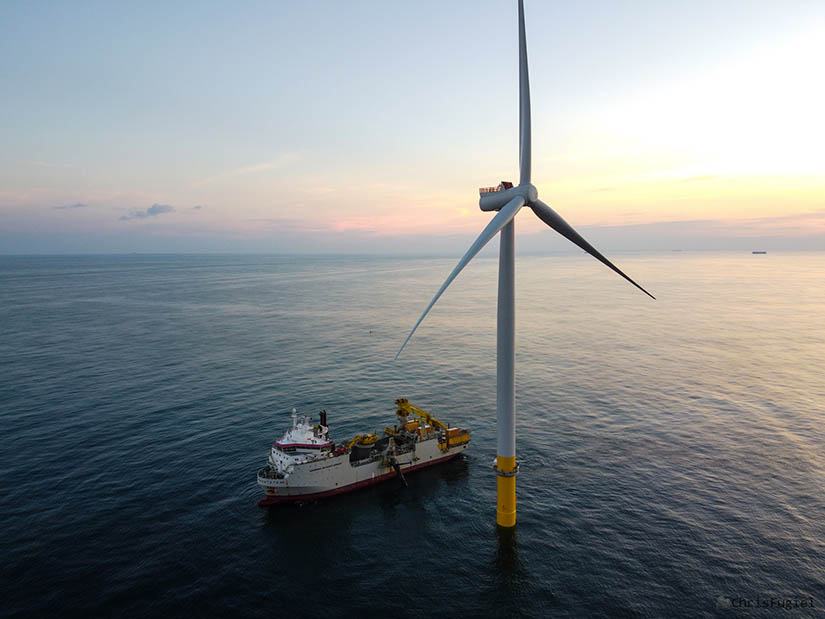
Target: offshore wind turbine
[508,201]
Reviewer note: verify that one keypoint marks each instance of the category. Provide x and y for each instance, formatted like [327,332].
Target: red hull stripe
[272,500]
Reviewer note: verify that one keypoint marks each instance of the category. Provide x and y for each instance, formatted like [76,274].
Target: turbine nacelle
[496,198]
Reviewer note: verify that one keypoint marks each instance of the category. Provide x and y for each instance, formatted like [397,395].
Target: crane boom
[405,409]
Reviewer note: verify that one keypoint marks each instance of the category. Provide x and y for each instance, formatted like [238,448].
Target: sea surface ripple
[672,451]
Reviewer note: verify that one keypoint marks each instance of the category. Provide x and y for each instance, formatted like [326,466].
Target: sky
[368,126]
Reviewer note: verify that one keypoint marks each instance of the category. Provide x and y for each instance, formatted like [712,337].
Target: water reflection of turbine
[507,554]
[508,201]
[508,567]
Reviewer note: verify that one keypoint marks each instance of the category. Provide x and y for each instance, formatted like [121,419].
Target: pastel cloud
[152,211]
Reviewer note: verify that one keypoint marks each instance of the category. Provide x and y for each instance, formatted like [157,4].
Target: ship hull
[364,475]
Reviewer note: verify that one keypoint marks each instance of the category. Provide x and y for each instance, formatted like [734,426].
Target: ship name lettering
[321,468]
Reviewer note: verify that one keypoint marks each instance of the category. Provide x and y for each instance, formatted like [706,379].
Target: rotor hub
[530,193]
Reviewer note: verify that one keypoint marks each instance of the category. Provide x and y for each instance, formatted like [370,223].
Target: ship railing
[367,460]
[269,473]
[404,448]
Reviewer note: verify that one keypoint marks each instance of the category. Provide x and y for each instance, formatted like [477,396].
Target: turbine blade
[524,138]
[555,221]
[504,216]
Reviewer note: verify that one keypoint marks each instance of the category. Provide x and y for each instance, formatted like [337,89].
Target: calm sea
[672,452]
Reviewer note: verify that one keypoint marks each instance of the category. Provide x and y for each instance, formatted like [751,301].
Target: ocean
[672,451]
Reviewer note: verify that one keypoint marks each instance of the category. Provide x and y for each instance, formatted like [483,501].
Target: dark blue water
[673,452]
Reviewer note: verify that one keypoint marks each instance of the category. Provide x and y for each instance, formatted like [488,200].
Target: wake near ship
[305,464]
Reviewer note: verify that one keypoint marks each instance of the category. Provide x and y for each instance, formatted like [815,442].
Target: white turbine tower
[508,202]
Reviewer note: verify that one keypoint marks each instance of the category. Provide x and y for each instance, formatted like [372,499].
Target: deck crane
[405,409]
[451,436]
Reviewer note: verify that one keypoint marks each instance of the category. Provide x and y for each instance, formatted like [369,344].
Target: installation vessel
[305,464]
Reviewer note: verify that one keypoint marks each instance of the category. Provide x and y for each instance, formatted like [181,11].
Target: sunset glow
[275,147]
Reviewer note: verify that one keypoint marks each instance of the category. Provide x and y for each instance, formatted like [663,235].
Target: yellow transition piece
[506,487]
